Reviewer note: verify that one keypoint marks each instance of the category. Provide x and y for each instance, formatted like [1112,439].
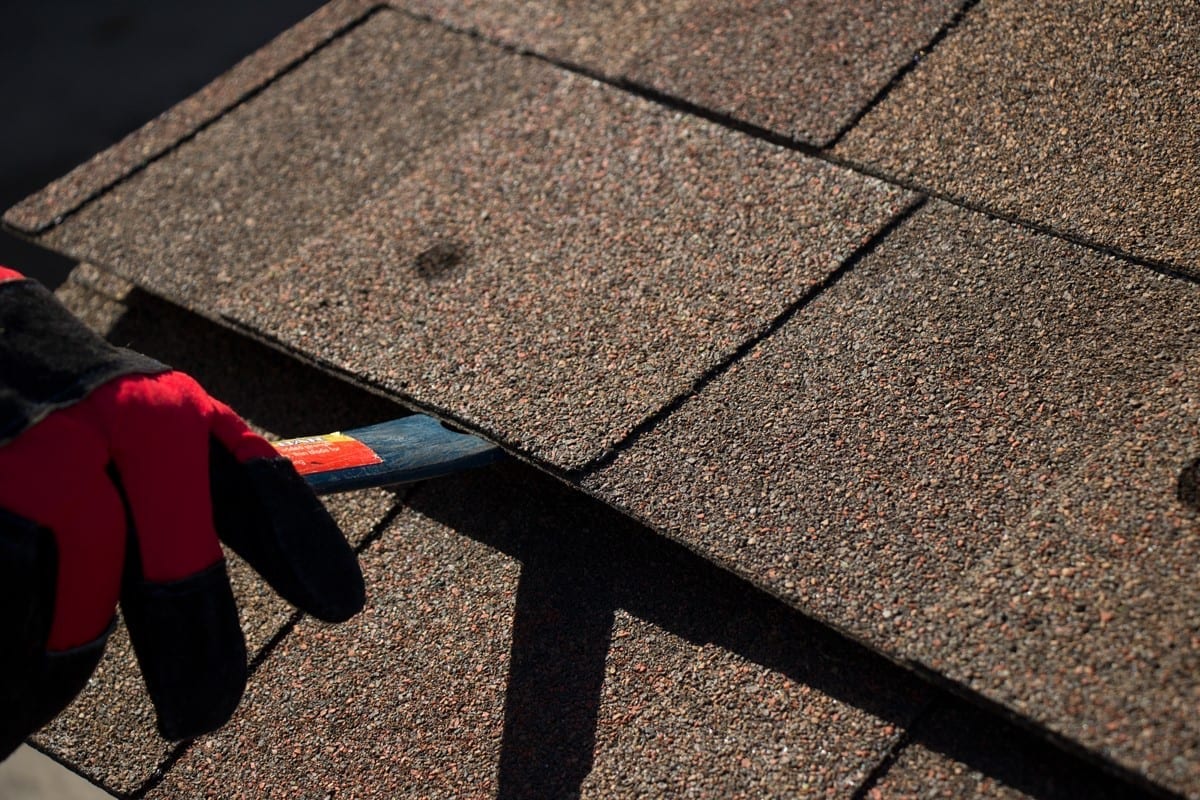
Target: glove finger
[27,567]
[189,646]
[61,547]
[176,598]
[270,517]
[54,474]
[38,696]
[188,641]
[158,434]
[27,564]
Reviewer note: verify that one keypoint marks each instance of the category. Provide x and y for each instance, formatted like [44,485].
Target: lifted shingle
[543,257]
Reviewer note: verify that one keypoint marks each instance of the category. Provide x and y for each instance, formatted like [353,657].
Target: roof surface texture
[859,342]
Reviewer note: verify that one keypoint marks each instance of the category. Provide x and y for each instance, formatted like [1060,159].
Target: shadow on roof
[581,561]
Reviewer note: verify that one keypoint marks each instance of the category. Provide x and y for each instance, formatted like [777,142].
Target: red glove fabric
[119,479]
[154,430]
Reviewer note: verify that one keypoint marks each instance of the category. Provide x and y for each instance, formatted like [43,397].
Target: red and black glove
[117,478]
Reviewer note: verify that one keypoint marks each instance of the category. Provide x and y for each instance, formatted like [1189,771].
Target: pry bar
[404,450]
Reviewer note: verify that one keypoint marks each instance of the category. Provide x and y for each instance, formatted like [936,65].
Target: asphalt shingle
[802,69]
[405,700]
[958,753]
[367,211]
[513,646]
[682,718]
[1091,609]
[1077,116]
[966,390]
[327,137]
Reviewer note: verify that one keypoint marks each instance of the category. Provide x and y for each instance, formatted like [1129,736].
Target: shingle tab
[953,407]
[405,700]
[342,128]
[725,55]
[1078,116]
[689,718]
[1091,609]
[802,69]
[589,255]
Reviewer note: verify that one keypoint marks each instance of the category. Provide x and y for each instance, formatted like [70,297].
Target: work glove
[117,478]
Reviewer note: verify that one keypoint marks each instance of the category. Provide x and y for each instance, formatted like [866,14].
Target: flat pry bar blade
[413,448]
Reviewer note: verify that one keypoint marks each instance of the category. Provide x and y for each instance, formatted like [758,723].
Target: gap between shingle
[908,66]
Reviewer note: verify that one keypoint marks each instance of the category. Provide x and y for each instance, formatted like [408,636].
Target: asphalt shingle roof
[514,647]
[953,437]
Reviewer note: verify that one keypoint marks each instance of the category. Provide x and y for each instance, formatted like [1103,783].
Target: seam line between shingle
[1161,267]
[742,350]
[908,66]
[822,154]
[901,741]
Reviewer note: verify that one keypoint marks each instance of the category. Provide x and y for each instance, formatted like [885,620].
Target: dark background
[78,75]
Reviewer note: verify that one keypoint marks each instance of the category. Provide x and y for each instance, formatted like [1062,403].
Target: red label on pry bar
[327,453]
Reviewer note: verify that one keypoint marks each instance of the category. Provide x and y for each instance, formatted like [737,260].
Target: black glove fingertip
[190,647]
[270,517]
